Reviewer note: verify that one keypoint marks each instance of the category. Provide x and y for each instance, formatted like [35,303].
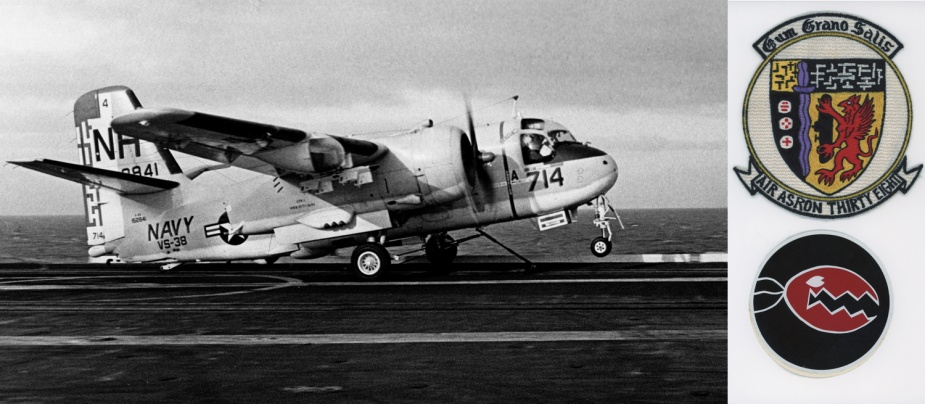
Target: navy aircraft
[316,192]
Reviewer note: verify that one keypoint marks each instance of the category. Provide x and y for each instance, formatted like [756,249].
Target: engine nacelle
[441,164]
[318,154]
[439,160]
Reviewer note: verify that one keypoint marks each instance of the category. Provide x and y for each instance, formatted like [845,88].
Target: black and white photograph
[359,201]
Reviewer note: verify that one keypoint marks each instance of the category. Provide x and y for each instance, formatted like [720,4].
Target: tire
[440,249]
[370,261]
[266,261]
[600,247]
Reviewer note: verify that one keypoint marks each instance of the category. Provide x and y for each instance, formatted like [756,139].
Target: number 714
[555,177]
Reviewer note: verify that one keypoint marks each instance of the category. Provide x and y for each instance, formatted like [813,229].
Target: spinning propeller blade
[472,139]
[478,158]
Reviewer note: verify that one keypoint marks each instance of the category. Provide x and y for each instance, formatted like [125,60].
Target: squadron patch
[820,304]
[827,117]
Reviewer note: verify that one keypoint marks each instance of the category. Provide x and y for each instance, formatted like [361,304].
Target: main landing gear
[170,265]
[370,261]
[441,249]
[601,246]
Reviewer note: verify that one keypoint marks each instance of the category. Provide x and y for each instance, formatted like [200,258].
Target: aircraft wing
[245,144]
[121,182]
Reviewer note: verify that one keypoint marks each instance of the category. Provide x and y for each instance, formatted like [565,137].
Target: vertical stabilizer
[101,147]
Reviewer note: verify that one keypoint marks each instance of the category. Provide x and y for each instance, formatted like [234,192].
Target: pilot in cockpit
[536,148]
[540,138]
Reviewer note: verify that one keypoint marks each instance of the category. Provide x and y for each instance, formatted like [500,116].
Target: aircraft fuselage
[414,190]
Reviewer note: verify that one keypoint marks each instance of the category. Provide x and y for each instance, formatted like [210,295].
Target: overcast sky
[645,81]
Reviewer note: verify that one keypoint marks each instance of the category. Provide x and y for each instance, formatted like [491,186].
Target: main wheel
[266,261]
[440,249]
[600,247]
[370,261]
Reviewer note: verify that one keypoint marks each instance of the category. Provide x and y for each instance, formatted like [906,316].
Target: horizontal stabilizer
[120,182]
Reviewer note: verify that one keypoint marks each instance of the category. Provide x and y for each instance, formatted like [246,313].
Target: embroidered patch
[820,304]
[827,117]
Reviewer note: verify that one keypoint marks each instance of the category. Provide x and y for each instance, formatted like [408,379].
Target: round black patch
[820,304]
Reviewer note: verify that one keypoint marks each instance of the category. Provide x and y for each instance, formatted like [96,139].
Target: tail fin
[100,147]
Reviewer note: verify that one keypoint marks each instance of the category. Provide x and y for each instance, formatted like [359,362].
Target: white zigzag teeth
[857,298]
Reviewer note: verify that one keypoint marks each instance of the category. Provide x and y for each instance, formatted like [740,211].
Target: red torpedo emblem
[832,299]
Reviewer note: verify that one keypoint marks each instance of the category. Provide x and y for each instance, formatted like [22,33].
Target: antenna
[514,108]
[477,110]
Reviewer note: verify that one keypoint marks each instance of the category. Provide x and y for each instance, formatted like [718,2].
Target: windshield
[536,147]
[561,136]
[540,137]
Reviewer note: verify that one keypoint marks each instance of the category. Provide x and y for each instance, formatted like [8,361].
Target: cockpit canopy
[539,138]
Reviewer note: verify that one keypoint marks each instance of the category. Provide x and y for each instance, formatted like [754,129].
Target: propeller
[479,156]
[477,159]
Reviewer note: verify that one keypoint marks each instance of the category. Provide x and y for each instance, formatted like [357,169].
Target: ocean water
[62,239]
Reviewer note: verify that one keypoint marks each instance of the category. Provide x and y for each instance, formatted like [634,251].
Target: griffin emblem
[853,127]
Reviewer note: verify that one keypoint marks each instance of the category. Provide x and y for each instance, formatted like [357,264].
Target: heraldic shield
[827,117]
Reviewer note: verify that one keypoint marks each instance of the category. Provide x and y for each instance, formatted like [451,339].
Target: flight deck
[486,332]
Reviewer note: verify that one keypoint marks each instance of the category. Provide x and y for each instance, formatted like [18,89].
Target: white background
[892,231]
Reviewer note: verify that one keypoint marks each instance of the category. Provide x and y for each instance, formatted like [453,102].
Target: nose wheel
[601,246]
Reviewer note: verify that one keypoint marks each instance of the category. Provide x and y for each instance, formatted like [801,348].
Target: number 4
[557,176]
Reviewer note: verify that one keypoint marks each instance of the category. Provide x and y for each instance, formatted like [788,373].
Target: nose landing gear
[601,246]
